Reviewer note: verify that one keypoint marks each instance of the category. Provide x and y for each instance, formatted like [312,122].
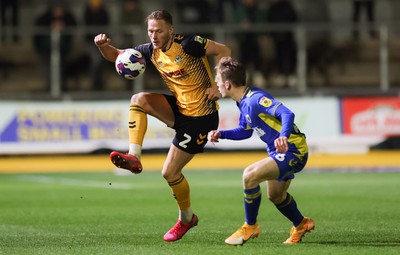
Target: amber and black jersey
[185,70]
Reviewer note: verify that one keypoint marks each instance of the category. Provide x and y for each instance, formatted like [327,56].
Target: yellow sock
[137,124]
[181,191]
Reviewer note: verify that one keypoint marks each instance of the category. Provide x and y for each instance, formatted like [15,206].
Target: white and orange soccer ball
[130,64]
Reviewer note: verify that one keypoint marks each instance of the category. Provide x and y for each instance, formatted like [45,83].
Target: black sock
[289,208]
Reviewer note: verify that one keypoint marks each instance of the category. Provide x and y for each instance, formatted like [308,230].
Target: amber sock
[137,128]
[181,191]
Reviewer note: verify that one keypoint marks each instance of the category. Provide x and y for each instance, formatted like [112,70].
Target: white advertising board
[83,127]
[71,127]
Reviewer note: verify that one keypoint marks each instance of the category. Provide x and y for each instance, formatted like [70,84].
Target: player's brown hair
[231,69]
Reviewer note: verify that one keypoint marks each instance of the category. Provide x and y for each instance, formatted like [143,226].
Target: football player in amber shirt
[191,110]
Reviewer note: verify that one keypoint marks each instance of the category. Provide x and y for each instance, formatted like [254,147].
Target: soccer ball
[130,64]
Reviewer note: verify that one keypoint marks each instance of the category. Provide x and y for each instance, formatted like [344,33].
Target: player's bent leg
[297,233]
[262,170]
[126,161]
[243,234]
[180,229]
[156,105]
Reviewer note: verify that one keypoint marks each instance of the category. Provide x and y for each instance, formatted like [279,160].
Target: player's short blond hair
[160,15]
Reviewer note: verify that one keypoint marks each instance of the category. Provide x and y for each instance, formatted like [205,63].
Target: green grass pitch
[102,213]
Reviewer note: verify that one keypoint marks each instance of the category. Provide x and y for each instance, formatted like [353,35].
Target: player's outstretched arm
[108,51]
[213,136]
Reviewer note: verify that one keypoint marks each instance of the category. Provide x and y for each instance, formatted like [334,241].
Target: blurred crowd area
[297,47]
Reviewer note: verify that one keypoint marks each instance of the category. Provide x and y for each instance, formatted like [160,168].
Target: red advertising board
[371,116]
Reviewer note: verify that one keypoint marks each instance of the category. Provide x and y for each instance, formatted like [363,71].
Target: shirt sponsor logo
[178,74]
[259,131]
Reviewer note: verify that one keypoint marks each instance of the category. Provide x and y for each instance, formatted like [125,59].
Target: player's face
[221,85]
[160,33]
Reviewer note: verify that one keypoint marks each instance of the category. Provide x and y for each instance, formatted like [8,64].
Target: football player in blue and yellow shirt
[286,146]
[191,110]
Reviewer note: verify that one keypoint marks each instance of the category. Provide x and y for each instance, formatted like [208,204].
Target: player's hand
[102,40]
[281,144]
[213,136]
[213,94]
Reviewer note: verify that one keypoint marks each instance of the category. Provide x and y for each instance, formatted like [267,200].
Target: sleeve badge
[199,39]
[265,101]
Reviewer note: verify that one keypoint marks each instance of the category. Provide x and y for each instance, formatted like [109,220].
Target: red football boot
[180,229]
[126,161]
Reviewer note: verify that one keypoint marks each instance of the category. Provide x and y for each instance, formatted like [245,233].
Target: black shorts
[191,132]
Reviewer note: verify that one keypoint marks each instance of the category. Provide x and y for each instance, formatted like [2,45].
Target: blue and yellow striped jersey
[269,118]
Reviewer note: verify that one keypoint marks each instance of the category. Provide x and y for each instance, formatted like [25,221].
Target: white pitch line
[75,182]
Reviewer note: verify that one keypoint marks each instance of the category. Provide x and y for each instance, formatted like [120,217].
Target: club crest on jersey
[265,101]
[178,59]
[199,39]
[248,118]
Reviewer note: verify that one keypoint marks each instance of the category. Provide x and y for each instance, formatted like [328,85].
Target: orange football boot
[243,234]
[296,233]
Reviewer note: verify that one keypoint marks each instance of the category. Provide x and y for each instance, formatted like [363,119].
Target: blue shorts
[288,164]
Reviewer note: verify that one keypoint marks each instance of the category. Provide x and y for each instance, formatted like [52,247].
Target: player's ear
[228,85]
